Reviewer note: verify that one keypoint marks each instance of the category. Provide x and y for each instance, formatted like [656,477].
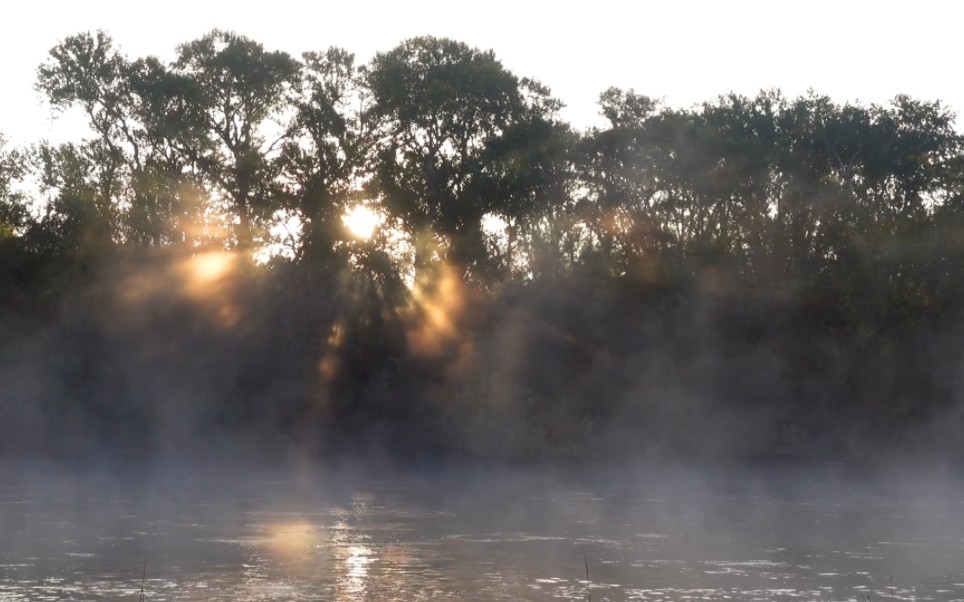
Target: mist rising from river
[472,533]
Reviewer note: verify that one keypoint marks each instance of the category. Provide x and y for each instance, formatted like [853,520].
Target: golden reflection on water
[394,548]
[305,548]
[353,564]
[292,542]
[352,555]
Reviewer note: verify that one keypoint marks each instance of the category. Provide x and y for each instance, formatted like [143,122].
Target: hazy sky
[684,51]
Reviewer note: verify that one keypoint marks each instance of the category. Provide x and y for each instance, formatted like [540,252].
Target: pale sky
[682,51]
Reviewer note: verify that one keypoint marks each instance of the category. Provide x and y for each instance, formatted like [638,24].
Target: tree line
[523,275]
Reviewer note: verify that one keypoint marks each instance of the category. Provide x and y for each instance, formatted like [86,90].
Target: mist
[710,352]
[169,356]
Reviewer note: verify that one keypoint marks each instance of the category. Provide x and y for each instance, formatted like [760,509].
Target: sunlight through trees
[320,244]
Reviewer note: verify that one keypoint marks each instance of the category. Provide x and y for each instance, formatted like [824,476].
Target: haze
[524,303]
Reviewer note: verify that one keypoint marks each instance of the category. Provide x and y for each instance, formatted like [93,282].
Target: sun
[361,221]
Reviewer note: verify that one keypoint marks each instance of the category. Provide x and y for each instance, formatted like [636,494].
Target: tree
[80,216]
[441,108]
[13,210]
[86,70]
[237,100]
[641,179]
[138,122]
[532,167]
[325,163]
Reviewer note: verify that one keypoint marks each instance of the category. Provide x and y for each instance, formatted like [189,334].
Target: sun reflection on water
[293,542]
[355,565]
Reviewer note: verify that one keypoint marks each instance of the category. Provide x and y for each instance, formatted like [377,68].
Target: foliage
[530,291]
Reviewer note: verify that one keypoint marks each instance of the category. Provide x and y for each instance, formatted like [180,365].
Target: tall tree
[440,107]
[81,216]
[87,71]
[238,97]
[325,163]
[131,109]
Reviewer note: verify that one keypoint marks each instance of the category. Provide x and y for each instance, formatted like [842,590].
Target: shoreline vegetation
[259,255]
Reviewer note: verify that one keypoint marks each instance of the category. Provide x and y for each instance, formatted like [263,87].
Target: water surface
[476,535]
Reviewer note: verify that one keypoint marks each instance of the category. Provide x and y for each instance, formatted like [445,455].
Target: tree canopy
[517,274]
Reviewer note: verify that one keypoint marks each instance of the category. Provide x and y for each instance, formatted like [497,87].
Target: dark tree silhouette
[754,277]
[443,110]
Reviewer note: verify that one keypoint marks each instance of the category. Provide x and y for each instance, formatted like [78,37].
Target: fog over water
[298,327]
[480,533]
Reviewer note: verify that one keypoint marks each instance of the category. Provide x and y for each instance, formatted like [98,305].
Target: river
[472,534]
